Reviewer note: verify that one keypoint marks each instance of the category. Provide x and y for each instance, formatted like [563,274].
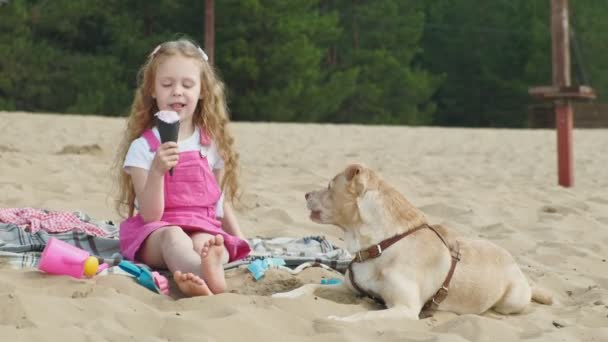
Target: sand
[496,184]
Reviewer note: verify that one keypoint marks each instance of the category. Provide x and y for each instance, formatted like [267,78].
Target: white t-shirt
[139,155]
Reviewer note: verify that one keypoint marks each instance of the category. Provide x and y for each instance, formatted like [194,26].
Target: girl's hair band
[203,54]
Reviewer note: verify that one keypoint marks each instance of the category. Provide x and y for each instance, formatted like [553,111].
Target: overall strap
[152,140]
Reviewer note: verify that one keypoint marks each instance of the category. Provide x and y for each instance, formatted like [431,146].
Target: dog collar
[376,250]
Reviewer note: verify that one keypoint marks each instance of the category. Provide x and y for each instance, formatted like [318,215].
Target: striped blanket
[20,248]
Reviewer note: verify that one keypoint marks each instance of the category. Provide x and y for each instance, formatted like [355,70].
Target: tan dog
[412,271]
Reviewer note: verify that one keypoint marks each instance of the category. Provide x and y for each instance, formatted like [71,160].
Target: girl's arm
[229,221]
[149,184]
[149,192]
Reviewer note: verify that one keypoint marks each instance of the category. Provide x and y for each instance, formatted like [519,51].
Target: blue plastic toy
[258,267]
[331,281]
[150,280]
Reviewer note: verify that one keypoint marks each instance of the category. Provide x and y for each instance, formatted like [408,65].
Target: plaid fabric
[35,220]
[20,248]
[307,251]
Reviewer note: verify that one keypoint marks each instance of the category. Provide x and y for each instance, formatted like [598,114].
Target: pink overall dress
[191,195]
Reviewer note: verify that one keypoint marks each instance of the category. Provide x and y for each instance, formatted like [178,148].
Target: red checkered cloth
[34,220]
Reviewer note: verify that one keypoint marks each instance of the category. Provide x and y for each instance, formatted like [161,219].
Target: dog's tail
[541,295]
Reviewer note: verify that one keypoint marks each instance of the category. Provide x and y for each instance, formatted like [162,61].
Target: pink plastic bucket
[62,258]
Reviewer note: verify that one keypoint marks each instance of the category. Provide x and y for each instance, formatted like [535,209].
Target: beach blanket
[297,252]
[21,247]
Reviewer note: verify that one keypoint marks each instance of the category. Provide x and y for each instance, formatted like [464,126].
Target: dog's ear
[352,171]
[354,175]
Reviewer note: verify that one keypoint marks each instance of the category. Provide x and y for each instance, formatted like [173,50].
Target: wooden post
[561,78]
[564,123]
[561,93]
[210,30]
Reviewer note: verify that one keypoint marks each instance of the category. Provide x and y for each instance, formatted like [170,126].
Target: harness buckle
[441,294]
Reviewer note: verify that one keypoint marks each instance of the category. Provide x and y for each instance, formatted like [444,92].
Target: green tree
[75,56]
[490,53]
[589,44]
[381,42]
[271,59]
[442,62]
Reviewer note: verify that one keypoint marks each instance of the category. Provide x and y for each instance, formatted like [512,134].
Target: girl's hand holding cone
[166,157]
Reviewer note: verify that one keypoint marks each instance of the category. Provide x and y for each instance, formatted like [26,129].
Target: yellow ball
[90,266]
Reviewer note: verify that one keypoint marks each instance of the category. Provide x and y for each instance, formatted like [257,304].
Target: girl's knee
[170,230]
[172,233]
[161,239]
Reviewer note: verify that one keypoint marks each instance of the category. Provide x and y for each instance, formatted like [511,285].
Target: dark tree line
[432,62]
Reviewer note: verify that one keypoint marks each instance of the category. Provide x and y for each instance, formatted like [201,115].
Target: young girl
[182,223]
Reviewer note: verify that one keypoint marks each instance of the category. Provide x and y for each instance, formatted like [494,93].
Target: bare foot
[191,285]
[212,267]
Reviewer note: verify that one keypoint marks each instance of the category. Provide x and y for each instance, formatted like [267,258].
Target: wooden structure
[588,115]
[562,93]
[210,30]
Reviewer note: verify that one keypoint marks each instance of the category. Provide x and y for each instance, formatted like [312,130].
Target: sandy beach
[497,184]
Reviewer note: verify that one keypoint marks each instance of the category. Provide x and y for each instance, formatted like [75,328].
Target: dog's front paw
[326,325]
[289,294]
[342,319]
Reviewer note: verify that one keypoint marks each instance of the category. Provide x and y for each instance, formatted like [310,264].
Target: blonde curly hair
[211,115]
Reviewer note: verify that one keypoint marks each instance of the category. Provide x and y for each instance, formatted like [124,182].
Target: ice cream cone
[168,132]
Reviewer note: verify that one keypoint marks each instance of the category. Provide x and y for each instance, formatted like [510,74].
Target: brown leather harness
[376,250]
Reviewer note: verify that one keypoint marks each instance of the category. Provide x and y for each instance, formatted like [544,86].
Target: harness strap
[376,250]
